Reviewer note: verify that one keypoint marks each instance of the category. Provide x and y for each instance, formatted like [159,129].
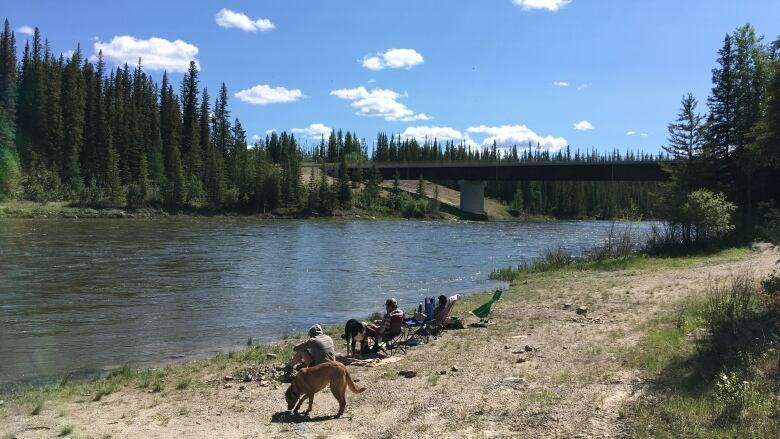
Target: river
[84,296]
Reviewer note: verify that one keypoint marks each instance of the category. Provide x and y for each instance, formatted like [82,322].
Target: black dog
[355,331]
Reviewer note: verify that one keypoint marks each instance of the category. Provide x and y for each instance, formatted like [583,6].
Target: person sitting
[317,349]
[382,328]
[442,311]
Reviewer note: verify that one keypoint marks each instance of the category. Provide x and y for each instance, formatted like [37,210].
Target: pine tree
[395,193]
[345,192]
[722,102]
[113,181]
[73,102]
[686,135]
[421,188]
[190,134]
[8,74]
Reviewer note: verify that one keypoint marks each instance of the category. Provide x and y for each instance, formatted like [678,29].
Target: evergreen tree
[421,187]
[73,101]
[8,75]
[191,120]
[344,191]
[686,135]
[395,193]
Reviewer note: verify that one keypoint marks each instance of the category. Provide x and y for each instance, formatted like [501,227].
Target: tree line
[729,158]
[73,129]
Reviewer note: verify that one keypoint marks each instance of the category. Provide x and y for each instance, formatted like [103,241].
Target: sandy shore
[539,370]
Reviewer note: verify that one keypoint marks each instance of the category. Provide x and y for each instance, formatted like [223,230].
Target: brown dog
[311,380]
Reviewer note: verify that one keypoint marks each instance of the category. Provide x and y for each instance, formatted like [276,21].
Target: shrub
[730,302]
[703,216]
[42,186]
[10,174]
[737,397]
[136,196]
[769,222]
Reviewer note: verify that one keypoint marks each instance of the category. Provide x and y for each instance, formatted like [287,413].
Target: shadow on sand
[287,417]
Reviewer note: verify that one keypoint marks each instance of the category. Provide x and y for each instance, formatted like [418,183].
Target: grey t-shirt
[320,347]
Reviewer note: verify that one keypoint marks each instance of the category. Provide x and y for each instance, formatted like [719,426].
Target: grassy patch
[559,260]
[66,430]
[716,368]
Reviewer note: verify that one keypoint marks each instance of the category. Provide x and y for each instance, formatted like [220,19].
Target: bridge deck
[542,171]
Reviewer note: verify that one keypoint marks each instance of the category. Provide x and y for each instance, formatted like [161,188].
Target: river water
[84,296]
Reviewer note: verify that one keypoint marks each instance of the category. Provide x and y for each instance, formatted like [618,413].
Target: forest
[74,129]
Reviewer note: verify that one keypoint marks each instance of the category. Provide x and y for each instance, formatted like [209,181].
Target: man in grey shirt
[317,349]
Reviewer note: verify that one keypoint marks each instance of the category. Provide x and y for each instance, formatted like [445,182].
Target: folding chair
[483,312]
[420,330]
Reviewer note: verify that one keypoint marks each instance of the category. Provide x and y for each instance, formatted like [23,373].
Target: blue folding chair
[420,329]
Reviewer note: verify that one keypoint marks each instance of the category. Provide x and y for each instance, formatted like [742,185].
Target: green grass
[66,430]
[554,261]
[719,386]
[150,379]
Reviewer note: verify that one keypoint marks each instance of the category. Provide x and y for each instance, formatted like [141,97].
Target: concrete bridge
[472,176]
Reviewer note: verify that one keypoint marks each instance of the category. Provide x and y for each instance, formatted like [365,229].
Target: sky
[601,74]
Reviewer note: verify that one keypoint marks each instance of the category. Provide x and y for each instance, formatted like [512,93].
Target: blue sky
[474,70]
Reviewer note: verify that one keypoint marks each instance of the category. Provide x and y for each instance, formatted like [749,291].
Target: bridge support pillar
[472,196]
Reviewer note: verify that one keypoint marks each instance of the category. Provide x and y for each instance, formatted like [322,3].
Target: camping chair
[439,322]
[420,330]
[394,339]
[483,312]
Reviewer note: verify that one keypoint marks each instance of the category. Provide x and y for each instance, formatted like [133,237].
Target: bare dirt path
[573,382]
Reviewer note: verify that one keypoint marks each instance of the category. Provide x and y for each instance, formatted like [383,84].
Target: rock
[506,347]
[247,378]
[227,386]
[270,356]
[565,347]
[228,378]
[515,380]
[521,360]
[582,310]
[567,305]
[408,373]
[528,348]
[454,368]
[241,387]
[441,372]
[263,383]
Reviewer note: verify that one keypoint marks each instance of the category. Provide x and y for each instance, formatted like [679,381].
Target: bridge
[473,175]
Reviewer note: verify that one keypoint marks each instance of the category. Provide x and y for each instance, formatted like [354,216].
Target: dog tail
[352,386]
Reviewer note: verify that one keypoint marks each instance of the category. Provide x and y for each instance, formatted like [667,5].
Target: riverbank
[583,374]
[64,210]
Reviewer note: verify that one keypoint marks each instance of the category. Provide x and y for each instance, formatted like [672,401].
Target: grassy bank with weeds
[713,366]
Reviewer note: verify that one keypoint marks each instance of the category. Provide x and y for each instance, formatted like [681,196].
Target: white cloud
[583,125]
[68,54]
[264,94]
[416,117]
[393,59]
[155,53]
[643,134]
[378,103]
[27,30]
[550,5]
[313,131]
[561,84]
[631,133]
[440,133]
[371,81]
[507,136]
[257,138]
[584,86]
[227,19]
[271,131]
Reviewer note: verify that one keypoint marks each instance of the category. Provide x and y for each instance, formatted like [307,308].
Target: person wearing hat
[317,349]
[379,327]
